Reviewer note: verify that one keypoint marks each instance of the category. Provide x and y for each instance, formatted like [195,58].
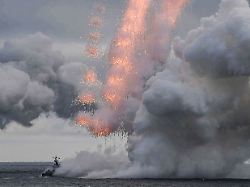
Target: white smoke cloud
[72,73]
[218,47]
[35,79]
[13,86]
[39,95]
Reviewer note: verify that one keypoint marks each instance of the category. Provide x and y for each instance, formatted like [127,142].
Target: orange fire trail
[172,10]
[119,79]
[160,35]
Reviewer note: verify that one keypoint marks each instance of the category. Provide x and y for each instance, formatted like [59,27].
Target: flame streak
[122,53]
[172,10]
[163,24]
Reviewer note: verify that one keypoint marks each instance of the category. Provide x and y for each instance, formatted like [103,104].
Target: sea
[29,175]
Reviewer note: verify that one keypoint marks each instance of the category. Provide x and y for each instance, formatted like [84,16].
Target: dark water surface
[28,174]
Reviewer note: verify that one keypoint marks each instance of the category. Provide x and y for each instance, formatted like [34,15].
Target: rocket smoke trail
[193,116]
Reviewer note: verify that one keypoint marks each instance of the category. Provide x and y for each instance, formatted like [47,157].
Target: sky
[41,64]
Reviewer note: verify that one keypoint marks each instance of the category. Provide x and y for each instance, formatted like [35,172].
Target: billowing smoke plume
[34,78]
[193,120]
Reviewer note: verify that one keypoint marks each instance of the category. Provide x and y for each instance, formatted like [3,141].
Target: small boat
[49,172]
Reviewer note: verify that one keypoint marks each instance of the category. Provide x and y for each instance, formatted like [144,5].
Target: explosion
[125,77]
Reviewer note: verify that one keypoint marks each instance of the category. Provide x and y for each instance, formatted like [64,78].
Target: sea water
[29,174]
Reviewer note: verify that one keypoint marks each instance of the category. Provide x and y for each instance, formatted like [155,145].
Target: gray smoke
[193,120]
[34,78]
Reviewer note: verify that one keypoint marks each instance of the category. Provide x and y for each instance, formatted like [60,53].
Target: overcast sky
[68,20]
[63,22]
